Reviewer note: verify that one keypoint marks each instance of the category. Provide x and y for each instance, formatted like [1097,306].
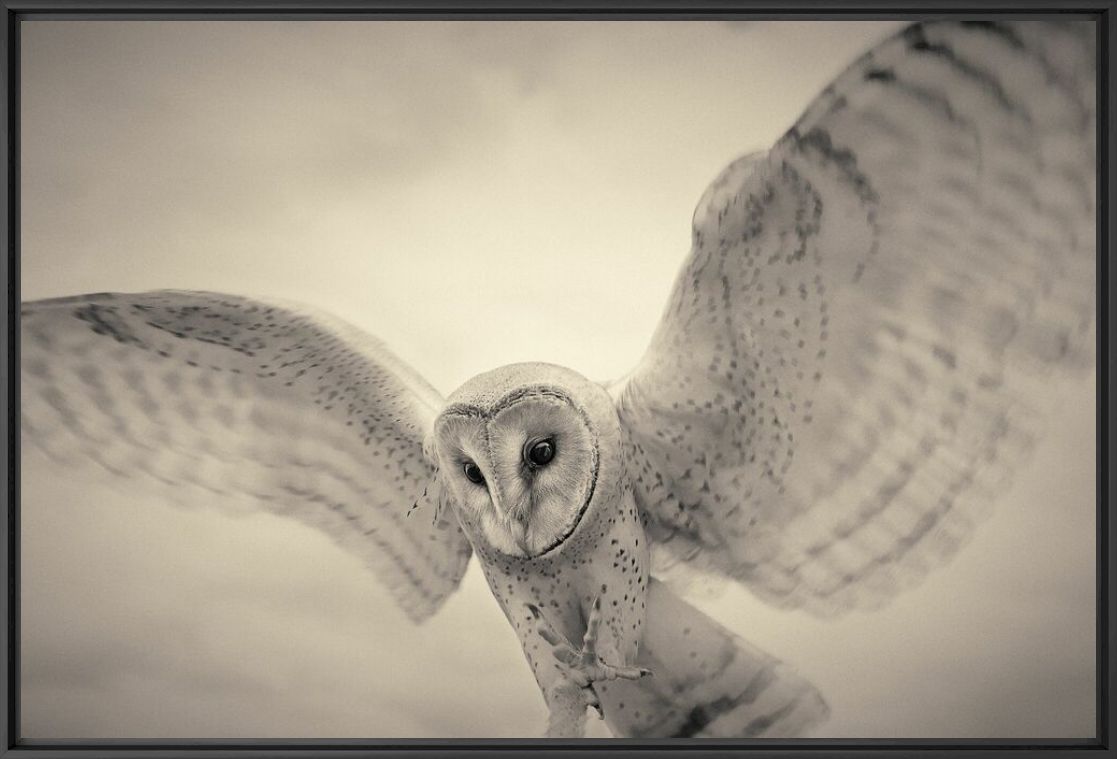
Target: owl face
[519,451]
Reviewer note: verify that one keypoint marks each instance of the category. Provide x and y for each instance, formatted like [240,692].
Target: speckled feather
[830,401]
[229,402]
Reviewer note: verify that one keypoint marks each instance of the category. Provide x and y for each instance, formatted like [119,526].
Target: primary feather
[228,401]
[832,396]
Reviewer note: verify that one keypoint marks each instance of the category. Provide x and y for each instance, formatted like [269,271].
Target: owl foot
[583,666]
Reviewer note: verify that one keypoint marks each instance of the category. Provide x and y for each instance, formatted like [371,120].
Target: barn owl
[828,403]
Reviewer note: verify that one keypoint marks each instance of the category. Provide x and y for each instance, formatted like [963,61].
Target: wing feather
[841,383]
[247,405]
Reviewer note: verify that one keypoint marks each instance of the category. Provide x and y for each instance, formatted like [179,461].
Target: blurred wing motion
[707,683]
[835,390]
[228,401]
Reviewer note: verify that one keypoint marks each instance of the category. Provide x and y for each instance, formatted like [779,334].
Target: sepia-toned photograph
[655,379]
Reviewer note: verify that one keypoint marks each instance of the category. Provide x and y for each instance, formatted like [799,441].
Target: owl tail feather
[706,683]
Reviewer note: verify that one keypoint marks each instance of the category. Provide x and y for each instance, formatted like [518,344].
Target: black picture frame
[16,10]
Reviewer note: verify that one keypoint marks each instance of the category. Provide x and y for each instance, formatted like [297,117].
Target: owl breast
[606,558]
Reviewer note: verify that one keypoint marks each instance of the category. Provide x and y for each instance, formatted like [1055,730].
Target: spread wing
[835,391]
[235,403]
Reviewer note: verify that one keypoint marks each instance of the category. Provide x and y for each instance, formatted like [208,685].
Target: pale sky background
[474,194]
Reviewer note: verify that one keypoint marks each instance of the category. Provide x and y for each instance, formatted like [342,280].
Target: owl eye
[540,452]
[473,473]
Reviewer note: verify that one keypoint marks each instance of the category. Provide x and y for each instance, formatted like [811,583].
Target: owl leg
[584,666]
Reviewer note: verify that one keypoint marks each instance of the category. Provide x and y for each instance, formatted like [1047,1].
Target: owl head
[525,451]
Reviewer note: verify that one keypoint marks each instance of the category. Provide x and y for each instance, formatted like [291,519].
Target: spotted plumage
[829,403]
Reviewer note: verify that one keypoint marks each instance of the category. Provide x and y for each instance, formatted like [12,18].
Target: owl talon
[583,666]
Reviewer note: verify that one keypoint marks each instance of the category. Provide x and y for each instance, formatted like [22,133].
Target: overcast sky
[474,194]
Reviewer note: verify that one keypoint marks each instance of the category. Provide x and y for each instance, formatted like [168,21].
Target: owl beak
[508,500]
[512,511]
[496,493]
[509,509]
[512,515]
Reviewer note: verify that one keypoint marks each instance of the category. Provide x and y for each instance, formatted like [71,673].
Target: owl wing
[837,387]
[242,404]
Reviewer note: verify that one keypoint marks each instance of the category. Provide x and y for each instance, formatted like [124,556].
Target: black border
[15,10]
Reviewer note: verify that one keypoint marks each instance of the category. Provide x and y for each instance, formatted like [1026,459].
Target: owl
[832,398]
